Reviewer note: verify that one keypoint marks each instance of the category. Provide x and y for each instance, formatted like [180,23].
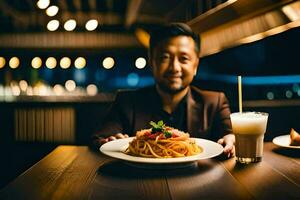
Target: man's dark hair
[168,31]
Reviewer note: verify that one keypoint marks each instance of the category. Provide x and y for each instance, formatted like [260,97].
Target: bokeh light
[43,4]
[140,63]
[53,25]
[91,25]
[14,62]
[70,85]
[70,25]
[36,62]
[92,89]
[80,63]
[108,63]
[52,11]
[2,62]
[51,62]
[65,62]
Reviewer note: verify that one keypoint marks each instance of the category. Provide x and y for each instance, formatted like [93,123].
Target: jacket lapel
[196,120]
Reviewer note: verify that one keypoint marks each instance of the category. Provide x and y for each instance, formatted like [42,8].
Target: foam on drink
[249,123]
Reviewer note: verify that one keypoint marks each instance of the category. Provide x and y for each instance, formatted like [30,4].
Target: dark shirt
[176,119]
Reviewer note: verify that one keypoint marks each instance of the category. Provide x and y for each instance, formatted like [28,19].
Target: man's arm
[114,124]
[228,138]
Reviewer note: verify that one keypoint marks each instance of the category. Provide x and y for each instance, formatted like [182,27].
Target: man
[174,58]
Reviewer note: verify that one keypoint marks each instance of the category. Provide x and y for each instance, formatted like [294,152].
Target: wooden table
[76,172]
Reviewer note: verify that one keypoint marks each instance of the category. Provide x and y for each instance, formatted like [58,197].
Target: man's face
[174,63]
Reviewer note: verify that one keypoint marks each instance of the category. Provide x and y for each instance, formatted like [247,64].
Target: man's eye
[184,59]
[165,57]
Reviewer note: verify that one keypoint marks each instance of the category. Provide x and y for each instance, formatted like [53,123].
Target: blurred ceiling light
[70,25]
[58,89]
[14,62]
[91,25]
[36,62]
[23,85]
[140,63]
[108,63]
[52,11]
[65,62]
[2,62]
[70,85]
[92,90]
[80,63]
[43,4]
[290,12]
[51,62]
[53,25]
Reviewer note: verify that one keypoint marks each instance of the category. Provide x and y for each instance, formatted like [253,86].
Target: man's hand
[111,138]
[228,142]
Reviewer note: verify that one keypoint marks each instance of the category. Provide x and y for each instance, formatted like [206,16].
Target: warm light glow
[140,63]
[15,90]
[53,25]
[92,90]
[291,12]
[29,91]
[2,62]
[70,25]
[70,85]
[51,62]
[58,89]
[36,62]
[65,62]
[108,63]
[91,25]
[143,36]
[14,62]
[42,4]
[41,90]
[23,85]
[52,11]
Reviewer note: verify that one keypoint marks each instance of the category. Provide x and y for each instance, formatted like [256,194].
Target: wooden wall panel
[45,125]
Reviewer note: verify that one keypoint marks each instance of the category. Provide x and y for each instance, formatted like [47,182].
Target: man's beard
[167,89]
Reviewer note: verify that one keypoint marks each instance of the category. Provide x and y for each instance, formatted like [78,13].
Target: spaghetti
[162,141]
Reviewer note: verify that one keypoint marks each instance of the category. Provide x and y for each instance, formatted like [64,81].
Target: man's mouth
[171,76]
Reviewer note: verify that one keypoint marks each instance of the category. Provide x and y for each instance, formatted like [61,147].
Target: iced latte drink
[249,129]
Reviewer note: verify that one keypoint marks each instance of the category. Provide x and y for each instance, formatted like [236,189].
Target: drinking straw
[240,93]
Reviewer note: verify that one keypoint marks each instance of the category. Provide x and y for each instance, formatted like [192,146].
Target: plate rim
[275,141]
[136,159]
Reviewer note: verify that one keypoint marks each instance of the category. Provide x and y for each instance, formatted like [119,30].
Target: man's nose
[175,65]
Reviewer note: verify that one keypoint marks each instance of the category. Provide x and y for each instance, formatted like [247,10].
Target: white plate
[116,149]
[284,141]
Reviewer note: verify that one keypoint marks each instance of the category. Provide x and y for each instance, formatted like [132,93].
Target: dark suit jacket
[207,113]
